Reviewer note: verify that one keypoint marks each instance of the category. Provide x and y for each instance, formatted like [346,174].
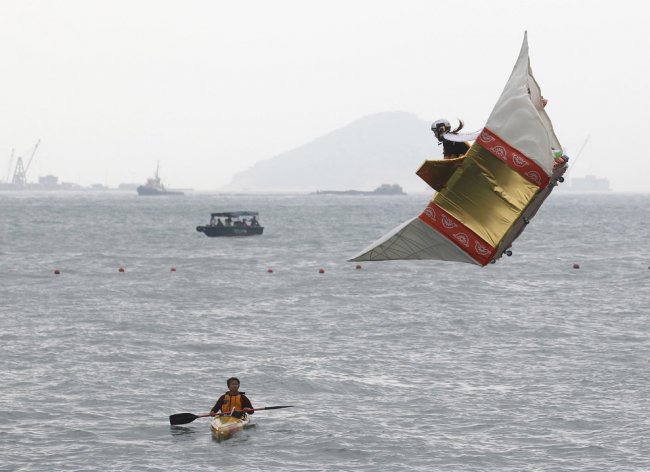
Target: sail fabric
[519,119]
[483,196]
[414,239]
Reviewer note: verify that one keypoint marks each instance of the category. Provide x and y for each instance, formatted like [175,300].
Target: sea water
[527,364]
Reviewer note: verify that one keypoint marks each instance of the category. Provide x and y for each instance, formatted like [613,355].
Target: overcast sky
[210,87]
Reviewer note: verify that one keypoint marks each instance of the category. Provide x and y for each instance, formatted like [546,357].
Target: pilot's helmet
[440,127]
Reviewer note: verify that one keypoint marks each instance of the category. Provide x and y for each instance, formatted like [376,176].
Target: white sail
[519,118]
[413,239]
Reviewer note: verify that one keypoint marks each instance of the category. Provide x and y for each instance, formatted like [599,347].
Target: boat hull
[223,427]
[216,231]
[146,191]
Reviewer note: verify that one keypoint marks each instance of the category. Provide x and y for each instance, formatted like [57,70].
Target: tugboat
[155,187]
[235,223]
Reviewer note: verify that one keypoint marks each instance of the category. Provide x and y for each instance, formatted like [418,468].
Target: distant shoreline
[383,189]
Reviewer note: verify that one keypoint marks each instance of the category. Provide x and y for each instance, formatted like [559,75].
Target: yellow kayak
[223,427]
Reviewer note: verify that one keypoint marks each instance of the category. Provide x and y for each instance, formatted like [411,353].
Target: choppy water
[523,365]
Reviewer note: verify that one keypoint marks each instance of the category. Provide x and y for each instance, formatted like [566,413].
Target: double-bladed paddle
[184,418]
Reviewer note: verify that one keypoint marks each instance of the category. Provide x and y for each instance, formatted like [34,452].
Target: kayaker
[450,149]
[233,402]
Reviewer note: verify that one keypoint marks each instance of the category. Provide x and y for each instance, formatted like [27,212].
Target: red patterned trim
[458,233]
[513,158]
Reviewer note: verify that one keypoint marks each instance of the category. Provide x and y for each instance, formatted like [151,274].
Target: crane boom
[32,156]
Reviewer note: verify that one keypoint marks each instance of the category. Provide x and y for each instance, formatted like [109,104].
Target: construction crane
[20,174]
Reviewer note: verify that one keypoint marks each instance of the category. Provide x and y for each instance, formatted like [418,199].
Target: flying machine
[486,198]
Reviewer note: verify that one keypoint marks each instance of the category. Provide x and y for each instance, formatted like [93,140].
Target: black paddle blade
[275,407]
[181,418]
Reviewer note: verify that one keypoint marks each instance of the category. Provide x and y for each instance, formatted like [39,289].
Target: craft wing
[484,200]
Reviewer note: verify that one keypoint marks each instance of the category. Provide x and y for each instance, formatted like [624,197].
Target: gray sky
[211,87]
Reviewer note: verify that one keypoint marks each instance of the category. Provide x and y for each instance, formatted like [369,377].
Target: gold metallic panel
[486,195]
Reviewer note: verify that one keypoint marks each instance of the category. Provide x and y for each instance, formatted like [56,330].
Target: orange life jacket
[230,402]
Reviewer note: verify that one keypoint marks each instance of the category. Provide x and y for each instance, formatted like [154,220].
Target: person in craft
[451,149]
[233,402]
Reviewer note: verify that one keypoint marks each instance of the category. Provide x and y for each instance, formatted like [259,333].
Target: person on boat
[254,221]
[450,149]
[219,223]
[233,402]
[228,221]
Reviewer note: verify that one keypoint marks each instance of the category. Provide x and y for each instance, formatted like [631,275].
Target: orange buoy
[576,266]
[358,266]
[57,272]
[121,269]
[321,271]
[269,270]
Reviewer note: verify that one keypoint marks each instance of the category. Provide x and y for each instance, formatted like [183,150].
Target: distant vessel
[383,189]
[234,224]
[589,183]
[155,187]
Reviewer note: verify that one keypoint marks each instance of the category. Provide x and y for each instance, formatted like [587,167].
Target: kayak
[223,427]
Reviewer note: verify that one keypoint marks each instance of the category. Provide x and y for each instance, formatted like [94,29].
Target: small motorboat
[232,223]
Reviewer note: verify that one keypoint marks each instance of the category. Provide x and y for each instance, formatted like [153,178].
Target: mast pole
[573,163]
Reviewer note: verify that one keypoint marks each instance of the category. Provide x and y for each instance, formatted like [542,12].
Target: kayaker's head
[233,384]
[440,127]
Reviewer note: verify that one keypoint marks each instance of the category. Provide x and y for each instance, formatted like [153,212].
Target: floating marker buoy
[358,266]
[173,269]
[576,266]
[269,270]
[321,271]
[57,272]
[121,269]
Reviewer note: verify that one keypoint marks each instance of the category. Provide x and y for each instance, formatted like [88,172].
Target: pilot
[450,149]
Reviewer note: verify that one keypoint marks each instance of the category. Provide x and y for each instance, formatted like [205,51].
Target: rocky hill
[376,149]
